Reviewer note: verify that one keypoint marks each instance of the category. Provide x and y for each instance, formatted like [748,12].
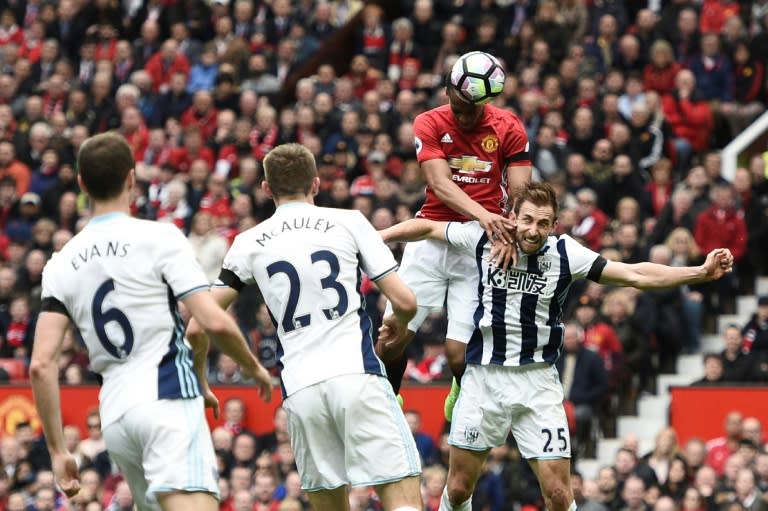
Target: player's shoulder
[438,114]
[503,116]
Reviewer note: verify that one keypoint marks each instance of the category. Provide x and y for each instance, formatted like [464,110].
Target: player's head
[105,163]
[536,215]
[467,114]
[290,170]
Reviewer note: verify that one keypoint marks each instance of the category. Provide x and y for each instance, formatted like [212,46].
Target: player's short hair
[105,162]
[538,194]
[290,169]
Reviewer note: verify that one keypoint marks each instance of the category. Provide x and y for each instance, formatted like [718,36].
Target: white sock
[445,504]
[572,507]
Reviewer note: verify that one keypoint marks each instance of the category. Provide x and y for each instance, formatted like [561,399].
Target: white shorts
[350,430]
[528,400]
[164,446]
[434,269]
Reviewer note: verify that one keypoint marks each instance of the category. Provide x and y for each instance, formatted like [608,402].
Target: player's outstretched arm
[440,180]
[414,230]
[209,316]
[654,276]
[44,375]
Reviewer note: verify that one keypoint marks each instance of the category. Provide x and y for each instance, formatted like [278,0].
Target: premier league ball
[478,77]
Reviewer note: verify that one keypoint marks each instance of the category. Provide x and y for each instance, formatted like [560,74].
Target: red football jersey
[478,159]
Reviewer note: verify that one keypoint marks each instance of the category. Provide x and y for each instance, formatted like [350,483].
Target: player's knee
[559,497]
[459,489]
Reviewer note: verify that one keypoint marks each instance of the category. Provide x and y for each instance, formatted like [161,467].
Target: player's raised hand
[497,227]
[66,473]
[392,339]
[718,263]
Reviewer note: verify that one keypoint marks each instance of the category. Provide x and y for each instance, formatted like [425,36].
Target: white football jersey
[521,310]
[307,262]
[120,280]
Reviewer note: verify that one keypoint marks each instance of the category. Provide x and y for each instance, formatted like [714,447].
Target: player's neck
[307,199]
[118,205]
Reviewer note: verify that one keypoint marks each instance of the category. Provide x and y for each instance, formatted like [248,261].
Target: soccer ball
[478,77]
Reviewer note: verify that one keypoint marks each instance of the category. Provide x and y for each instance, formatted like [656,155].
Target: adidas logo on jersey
[446,139]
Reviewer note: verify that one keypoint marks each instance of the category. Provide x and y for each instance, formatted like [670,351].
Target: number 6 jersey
[120,280]
[307,262]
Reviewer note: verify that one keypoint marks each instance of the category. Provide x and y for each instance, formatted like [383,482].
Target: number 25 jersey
[307,262]
[120,280]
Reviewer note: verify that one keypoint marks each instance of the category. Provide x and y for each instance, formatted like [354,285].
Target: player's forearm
[658,276]
[455,198]
[415,229]
[517,179]
[232,343]
[44,377]
[200,345]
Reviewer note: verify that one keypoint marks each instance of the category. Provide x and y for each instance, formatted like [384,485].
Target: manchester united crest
[490,143]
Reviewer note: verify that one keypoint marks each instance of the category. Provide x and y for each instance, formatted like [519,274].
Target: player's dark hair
[289,169]
[104,162]
[538,194]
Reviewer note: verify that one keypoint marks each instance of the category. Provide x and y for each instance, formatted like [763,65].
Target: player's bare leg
[464,468]
[455,351]
[330,499]
[184,501]
[396,364]
[555,481]
[402,494]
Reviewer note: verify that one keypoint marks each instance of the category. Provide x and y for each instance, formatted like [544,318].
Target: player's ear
[266,189]
[315,186]
[131,181]
[81,184]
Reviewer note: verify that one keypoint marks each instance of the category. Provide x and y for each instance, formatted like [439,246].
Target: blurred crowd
[627,105]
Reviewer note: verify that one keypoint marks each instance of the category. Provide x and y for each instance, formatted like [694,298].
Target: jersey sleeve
[377,260]
[235,271]
[516,146]
[580,258]
[426,139]
[52,294]
[465,236]
[179,265]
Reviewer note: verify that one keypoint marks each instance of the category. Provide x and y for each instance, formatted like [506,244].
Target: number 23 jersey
[120,280]
[307,262]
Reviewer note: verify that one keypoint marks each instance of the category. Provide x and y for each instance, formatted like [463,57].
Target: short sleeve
[235,267]
[516,147]
[465,236]
[426,139]
[580,258]
[50,284]
[377,260]
[179,265]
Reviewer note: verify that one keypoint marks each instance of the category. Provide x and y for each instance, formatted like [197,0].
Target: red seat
[16,368]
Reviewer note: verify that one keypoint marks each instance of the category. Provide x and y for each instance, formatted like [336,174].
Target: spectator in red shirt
[202,114]
[10,32]
[659,74]
[722,225]
[134,131]
[721,448]
[164,63]
[592,220]
[216,201]
[690,118]
[193,149]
